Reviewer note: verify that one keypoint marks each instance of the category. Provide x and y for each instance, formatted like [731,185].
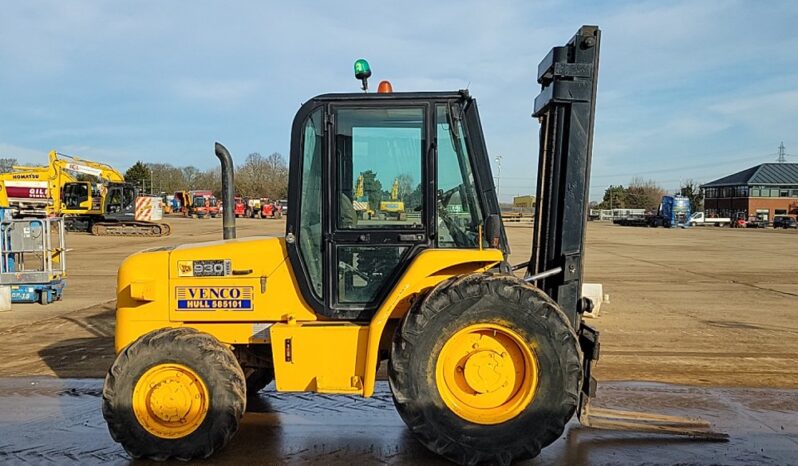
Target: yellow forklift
[484,366]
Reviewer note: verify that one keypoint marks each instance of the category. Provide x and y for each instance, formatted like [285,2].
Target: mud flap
[614,419]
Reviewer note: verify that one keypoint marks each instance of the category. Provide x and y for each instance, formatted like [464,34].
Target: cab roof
[371,96]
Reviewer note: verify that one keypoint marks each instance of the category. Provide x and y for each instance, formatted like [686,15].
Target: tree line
[257,177]
[647,194]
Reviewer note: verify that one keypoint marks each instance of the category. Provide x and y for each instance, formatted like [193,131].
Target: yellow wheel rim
[486,374]
[170,401]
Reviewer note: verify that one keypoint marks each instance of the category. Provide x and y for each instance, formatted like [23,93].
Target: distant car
[785,222]
[757,223]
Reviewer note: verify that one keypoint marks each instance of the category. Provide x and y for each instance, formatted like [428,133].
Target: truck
[197,203]
[203,204]
[673,211]
[270,209]
[701,219]
[240,206]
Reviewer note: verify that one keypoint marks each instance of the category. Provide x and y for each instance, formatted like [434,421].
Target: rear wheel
[486,369]
[174,393]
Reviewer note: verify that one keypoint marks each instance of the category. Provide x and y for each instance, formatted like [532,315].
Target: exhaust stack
[228,192]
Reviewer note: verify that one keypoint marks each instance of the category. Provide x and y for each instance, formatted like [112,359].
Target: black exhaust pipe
[228,192]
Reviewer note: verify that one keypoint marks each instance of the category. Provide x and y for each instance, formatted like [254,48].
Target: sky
[687,89]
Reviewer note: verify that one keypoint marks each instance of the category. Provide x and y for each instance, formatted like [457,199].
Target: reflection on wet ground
[58,421]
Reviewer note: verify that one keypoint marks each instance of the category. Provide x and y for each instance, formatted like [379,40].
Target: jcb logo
[185,269]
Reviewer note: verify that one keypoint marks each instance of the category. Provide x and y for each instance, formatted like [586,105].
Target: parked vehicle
[757,222]
[240,206]
[270,209]
[674,211]
[700,219]
[785,222]
[204,206]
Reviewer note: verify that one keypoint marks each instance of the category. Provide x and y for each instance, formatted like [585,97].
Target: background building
[764,191]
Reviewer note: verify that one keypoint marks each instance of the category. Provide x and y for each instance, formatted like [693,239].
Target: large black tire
[479,299]
[213,362]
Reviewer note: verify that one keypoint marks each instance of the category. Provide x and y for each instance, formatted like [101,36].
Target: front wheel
[174,393]
[486,369]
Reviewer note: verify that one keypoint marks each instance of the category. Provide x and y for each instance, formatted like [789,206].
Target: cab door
[377,172]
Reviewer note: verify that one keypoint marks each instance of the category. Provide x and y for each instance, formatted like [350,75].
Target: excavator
[35,191]
[394,206]
[361,202]
[102,208]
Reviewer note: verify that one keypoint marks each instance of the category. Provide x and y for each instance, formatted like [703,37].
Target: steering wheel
[458,234]
[351,268]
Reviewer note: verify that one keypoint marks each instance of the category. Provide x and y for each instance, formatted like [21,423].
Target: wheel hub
[486,373]
[170,400]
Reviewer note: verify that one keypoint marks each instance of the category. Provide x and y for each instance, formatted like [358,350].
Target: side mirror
[493,230]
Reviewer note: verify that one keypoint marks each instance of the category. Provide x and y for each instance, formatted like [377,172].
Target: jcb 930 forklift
[484,366]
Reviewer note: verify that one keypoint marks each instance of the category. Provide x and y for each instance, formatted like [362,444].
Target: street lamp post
[499,178]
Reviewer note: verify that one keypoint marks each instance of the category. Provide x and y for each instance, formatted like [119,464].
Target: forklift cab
[424,147]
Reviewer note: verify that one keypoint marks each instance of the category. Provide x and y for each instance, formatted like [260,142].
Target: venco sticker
[213,298]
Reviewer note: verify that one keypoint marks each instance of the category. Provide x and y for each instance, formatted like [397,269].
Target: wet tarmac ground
[58,421]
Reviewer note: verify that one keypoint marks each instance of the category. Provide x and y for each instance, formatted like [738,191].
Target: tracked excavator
[104,207]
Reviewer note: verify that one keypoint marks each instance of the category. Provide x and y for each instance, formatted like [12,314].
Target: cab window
[458,209]
[379,154]
[309,234]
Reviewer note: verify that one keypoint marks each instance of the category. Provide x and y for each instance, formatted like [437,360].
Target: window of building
[780,212]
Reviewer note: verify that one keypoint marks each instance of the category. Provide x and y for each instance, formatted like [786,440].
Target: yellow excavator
[103,207]
[393,206]
[36,191]
[485,366]
[361,203]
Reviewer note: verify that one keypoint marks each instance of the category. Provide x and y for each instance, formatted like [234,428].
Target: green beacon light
[363,72]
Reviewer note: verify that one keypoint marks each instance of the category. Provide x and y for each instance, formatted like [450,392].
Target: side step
[614,419]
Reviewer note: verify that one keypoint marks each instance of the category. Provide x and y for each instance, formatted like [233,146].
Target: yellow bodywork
[309,352]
